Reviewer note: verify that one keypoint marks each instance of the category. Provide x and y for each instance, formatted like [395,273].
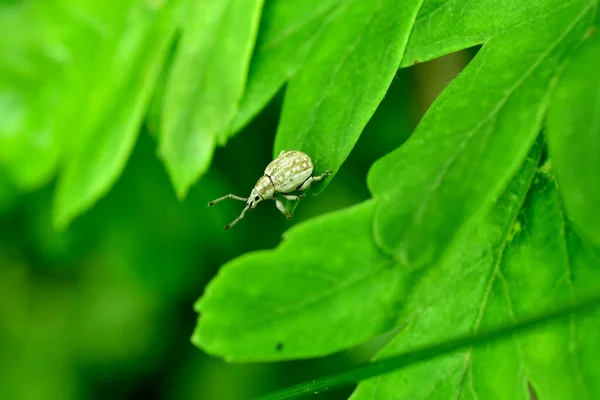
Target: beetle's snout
[254,199]
[253,202]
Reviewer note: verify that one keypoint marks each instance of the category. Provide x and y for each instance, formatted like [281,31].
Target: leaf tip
[182,191]
[195,339]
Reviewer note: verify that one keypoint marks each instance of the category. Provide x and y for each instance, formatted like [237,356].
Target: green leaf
[510,267]
[154,114]
[125,67]
[323,384]
[474,137]
[574,137]
[452,199]
[205,85]
[444,27]
[32,83]
[330,100]
[288,31]
[452,170]
[272,305]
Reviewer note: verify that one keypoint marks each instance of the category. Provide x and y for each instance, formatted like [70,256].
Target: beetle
[290,172]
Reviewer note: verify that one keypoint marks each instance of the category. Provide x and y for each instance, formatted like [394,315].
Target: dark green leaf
[8,193]
[574,137]
[205,85]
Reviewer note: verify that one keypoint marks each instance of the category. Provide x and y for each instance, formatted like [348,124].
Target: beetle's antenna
[229,196]
[235,221]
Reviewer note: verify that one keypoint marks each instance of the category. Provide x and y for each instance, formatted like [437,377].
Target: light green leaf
[131,58]
[205,85]
[330,100]
[288,31]
[32,62]
[154,114]
[574,137]
[473,138]
[272,305]
[513,265]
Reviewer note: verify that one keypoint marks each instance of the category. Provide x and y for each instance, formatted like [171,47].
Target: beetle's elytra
[290,172]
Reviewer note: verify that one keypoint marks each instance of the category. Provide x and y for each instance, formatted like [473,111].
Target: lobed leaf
[464,152]
[330,100]
[205,85]
[131,57]
[573,126]
[582,309]
[443,27]
[467,162]
[272,305]
[515,263]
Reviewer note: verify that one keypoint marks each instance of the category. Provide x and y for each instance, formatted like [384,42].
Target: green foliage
[205,85]
[354,286]
[463,152]
[521,258]
[329,101]
[125,66]
[446,188]
[288,31]
[31,87]
[483,218]
[574,137]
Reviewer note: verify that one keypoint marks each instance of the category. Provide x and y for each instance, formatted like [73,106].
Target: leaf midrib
[572,328]
[286,33]
[336,71]
[496,271]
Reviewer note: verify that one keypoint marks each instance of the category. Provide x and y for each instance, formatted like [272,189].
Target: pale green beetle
[290,172]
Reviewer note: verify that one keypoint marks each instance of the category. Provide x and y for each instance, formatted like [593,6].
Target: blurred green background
[104,308]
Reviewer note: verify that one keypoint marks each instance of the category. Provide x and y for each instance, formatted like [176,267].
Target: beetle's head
[254,199]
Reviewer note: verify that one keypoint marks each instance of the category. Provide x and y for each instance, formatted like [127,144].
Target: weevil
[290,172]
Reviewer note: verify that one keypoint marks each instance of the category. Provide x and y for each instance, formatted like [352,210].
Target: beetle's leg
[281,207]
[312,179]
[235,221]
[293,196]
[229,196]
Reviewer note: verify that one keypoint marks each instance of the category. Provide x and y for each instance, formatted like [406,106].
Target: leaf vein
[573,349]
[336,71]
[298,26]
[318,297]
[493,276]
